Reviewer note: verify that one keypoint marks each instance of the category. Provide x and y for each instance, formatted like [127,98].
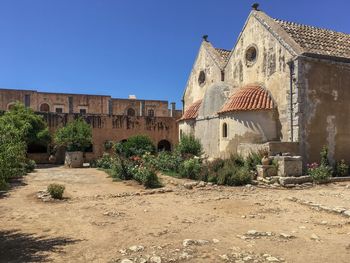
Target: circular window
[251,55]
[201,78]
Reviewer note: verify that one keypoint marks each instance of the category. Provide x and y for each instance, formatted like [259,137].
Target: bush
[12,152]
[190,168]
[320,173]
[56,190]
[341,169]
[234,175]
[189,145]
[29,165]
[254,159]
[105,162]
[146,176]
[165,161]
[76,136]
[136,145]
[324,156]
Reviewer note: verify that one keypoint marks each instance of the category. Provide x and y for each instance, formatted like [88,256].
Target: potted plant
[75,137]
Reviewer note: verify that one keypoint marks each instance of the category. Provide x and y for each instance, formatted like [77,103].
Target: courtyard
[100,220]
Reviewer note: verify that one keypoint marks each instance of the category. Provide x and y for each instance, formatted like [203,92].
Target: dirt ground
[105,221]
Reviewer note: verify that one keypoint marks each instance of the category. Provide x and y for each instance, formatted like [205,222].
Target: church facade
[284,85]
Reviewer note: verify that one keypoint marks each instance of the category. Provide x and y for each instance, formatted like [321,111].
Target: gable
[205,71]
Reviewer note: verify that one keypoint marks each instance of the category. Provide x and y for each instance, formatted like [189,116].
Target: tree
[31,126]
[135,145]
[76,136]
[12,152]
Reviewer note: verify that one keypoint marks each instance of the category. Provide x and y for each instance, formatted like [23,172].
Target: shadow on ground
[22,247]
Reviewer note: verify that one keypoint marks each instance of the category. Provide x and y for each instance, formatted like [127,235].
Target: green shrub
[136,145]
[12,152]
[190,168]
[234,175]
[321,173]
[76,136]
[254,159]
[29,165]
[324,156]
[166,161]
[146,176]
[105,162]
[108,145]
[341,169]
[189,145]
[56,190]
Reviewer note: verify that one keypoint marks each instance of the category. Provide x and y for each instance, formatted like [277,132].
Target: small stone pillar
[289,166]
[173,109]
[266,171]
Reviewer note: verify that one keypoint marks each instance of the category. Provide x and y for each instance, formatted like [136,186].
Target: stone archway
[164,145]
[44,107]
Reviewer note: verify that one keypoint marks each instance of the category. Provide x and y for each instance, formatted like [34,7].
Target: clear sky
[122,47]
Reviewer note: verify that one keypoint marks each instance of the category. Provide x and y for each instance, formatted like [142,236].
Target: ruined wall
[325,109]
[118,127]
[246,127]
[141,107]
[204,62]
[269,69]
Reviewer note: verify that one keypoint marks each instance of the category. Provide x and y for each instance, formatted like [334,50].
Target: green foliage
[108,145]
[254,159]
[189,145]
[12,152]
[136,145]
[324,156]
[320,173]
[31,126]
[164,161]
[105,162]
[190,168]
[56,190]
[234,175]
[29,165]
[76,136]
[341,169]
[146,176]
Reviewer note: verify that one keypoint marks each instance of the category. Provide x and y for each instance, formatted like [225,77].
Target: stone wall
[324,109]
[117,128]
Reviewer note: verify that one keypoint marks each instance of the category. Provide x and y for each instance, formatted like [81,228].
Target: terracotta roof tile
[192,111]
[249,98]
[224,54]
[317,40]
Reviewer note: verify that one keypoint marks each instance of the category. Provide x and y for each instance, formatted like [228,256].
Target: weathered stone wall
[204,62]
[324,108]
[270,69]
[119,127]
[246,127]
[186,127]
[141,107]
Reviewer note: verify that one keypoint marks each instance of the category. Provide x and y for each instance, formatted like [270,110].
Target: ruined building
[284,85]
[111,119]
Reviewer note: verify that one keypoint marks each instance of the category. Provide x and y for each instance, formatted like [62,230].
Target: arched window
[181,134]
[11,106]
[151,113]
[224,130]
[45,107]
[164,145]
[130,112]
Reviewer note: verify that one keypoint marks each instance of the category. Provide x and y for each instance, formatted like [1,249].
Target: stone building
[111,119]
[283,86]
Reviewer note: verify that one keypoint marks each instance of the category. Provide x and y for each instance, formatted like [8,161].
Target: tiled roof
[192,111]
[249,98]
[317,40]
[224,54]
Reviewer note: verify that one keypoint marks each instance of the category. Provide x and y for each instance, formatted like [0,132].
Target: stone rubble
[335,210]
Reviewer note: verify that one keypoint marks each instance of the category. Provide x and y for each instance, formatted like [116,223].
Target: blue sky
[122,47]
